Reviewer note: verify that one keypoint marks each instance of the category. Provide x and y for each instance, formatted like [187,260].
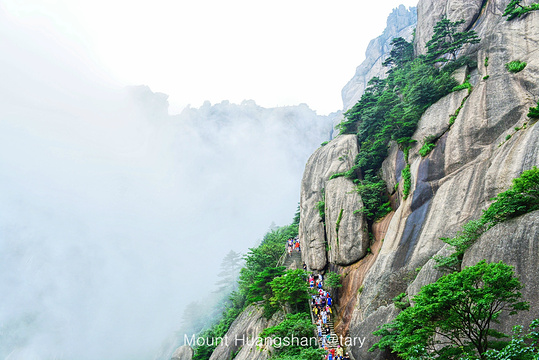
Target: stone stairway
[292,261]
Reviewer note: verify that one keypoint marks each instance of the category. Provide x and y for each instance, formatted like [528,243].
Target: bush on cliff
[521,198]
[452,318]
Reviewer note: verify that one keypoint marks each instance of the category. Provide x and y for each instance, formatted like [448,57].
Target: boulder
[336,157]
[240,342]
[183,353]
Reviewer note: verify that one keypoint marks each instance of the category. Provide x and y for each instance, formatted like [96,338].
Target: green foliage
[534,112]
[428,145]
[401,53]
[521,198]
[447,40]
[426,149]
[290,288]
[373,192]
[514,9]
[338,224]
[461,242]
[333,280]
[452,318]
[391,108]
[407,181]
[259,270]
[324,143]
[486,61]
[321,205]
[297,326]
[521,347]
[295,221]
[463,86]
[486,77]
[401,301]
[508,137]
[218,330]
[515,66]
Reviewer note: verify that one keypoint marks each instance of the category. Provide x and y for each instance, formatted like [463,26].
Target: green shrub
[515,66]
[333,280]
[294,326]
[486,61]
[508,137]
[486,77]
[514,9]
[521,347]
[466,85]
[534,112]
[452,318]
[324,143]
[521,198]
[407,185]
[428,145]
[373,192]
[401,301]
[461,242]
[338,223]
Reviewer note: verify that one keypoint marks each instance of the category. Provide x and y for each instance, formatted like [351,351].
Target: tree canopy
[448,41]
[453,317]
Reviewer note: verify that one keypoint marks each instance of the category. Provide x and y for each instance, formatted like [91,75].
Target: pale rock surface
[516,243]
[429,12]
[335,157]
[435,121]
[241,337]
[183,353]
[350,243]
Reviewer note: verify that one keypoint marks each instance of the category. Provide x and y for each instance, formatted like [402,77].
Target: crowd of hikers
[321,305]
[293,244]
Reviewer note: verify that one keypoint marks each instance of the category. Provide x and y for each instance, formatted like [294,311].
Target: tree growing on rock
[448,41]
[453,317]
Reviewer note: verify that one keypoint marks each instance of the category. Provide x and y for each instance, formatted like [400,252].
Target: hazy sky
[277,52]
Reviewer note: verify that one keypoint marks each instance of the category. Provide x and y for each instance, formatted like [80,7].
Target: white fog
[113,214]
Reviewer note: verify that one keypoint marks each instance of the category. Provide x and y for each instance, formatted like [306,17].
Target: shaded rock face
[183,353]
[400,23]
[335,157]
[240,340]
[516,243]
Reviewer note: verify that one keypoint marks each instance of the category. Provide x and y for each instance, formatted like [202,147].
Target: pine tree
[513,9]
[230,270]
[401,52]
[447,41]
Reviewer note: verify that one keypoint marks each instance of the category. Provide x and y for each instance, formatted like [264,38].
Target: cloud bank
[113,214]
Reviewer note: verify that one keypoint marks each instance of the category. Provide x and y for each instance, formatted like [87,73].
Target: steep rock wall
[471,163]
[336,157]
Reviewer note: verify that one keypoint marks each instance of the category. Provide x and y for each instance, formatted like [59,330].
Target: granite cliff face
[474,159]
